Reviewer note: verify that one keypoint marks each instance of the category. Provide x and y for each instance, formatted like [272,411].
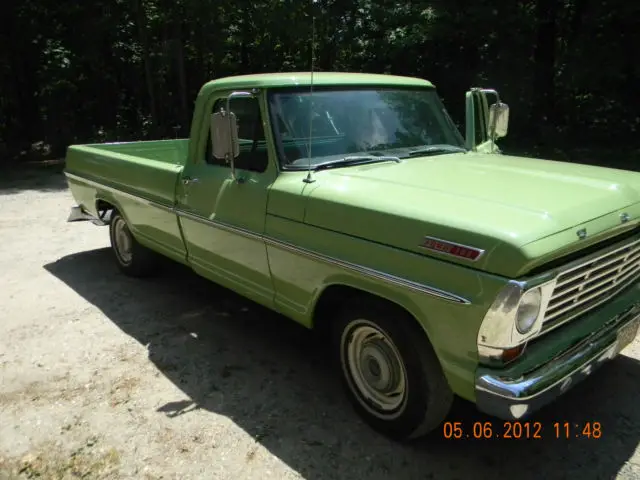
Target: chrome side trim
[418,287]
[130,196]
[222,226]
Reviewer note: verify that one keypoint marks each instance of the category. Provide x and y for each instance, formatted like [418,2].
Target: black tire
[427,396]
[132,259]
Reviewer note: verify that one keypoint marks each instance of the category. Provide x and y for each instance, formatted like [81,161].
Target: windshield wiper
[356,160]
[436,150]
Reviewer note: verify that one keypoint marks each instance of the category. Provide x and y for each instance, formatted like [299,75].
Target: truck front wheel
[132,258]
[391,373]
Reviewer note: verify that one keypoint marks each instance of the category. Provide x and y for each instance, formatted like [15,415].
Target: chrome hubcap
[122,241]
[374,368]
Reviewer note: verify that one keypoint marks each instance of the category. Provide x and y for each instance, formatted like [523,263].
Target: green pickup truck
[434,264]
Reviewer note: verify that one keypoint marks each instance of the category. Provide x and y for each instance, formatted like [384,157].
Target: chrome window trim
[376,274]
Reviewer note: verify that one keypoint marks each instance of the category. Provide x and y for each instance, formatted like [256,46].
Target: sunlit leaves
[76,71]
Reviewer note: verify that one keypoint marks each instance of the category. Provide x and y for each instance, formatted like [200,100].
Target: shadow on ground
[268,375]
[41,176]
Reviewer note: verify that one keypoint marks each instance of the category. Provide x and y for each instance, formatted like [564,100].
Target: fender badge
[451,248]
[582,233]
[624,217]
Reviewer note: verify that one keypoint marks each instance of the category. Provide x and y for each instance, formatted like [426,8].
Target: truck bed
[146,169]
[166,151]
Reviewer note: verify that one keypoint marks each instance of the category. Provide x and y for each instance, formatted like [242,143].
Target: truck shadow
[268,375]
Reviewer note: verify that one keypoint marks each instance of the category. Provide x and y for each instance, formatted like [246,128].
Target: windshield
[350,121]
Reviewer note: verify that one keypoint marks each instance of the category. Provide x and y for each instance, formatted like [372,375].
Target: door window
[253,146]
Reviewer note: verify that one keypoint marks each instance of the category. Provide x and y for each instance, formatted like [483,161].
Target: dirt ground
[103,376]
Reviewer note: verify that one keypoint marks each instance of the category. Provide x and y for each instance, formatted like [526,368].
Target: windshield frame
[273,120]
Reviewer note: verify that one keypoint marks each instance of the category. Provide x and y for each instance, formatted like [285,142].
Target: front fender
[449,301]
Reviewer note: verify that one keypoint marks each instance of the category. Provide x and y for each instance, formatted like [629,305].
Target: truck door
[222,217]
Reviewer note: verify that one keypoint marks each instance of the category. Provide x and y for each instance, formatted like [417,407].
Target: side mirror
[224,135]
[484,124]
[498,120]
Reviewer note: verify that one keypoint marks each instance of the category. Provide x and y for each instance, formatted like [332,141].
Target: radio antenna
[308,178]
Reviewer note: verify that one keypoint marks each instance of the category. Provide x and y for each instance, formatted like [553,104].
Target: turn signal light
[512,353]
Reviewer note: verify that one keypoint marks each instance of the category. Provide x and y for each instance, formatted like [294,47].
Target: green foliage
[123,70]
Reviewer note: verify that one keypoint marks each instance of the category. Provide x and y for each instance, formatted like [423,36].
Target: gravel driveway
[104,376]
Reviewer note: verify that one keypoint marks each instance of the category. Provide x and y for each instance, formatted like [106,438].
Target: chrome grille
[589,284]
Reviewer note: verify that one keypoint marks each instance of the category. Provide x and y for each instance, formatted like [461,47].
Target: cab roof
[293,79]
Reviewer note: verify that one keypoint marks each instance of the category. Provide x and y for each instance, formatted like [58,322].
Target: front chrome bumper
[515,398]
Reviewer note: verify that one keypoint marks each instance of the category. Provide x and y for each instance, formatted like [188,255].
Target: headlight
[528,310]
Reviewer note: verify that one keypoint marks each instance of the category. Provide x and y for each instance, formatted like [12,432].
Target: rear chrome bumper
[516,398]
[78,214]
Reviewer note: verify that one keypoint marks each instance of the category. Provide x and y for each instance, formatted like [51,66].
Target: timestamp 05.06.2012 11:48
[515,430]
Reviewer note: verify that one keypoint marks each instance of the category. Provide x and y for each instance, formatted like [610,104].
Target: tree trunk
[148,72]
[22,113]
[544,58]
[182,78]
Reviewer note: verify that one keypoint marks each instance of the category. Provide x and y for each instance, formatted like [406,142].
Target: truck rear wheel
[390,371]
[132,258]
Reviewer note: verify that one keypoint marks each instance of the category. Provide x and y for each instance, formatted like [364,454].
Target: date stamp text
[520,430]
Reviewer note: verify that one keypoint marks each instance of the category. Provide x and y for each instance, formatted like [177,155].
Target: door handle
[189,180]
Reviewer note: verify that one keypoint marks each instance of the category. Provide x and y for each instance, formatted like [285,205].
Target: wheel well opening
[331,299]
[105,210]
[336,296]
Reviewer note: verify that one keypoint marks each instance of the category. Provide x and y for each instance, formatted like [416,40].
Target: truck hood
[497,203]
